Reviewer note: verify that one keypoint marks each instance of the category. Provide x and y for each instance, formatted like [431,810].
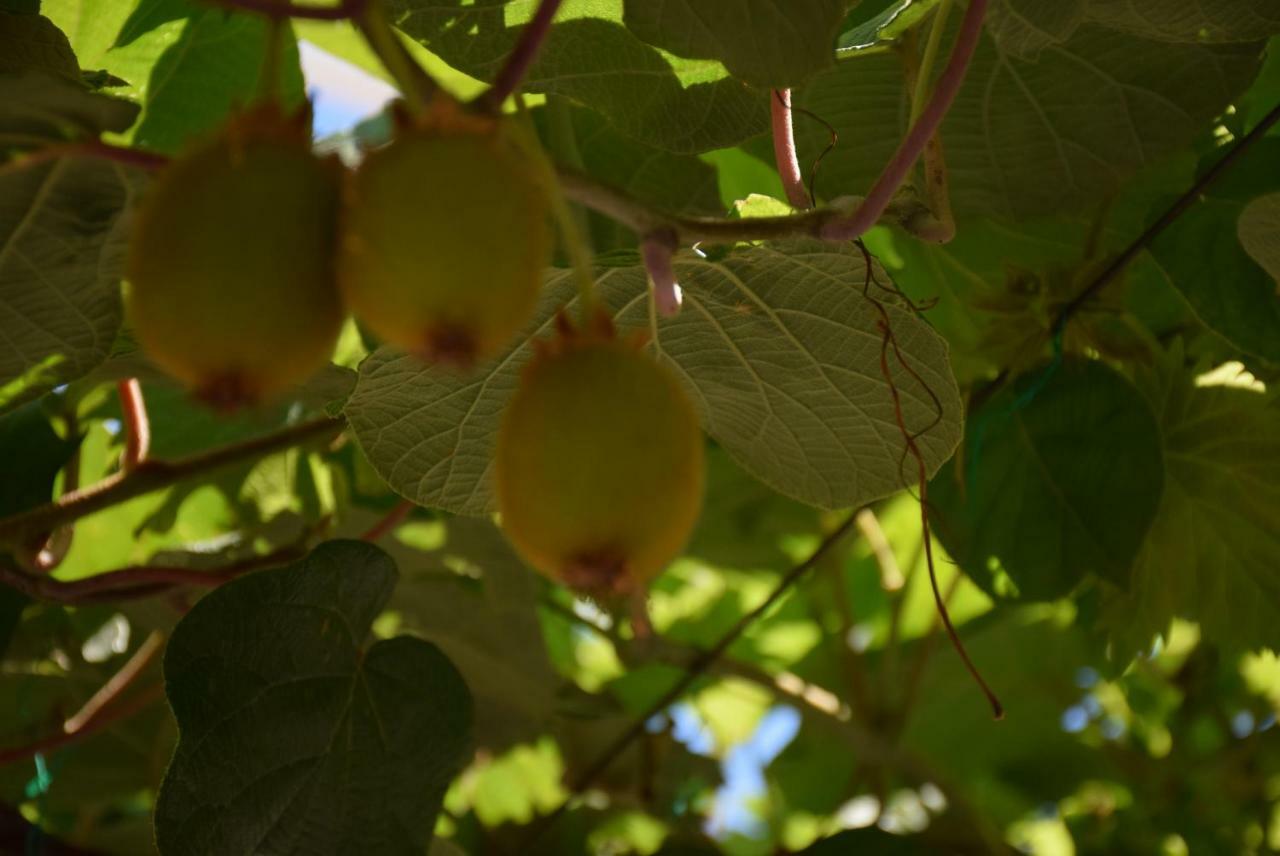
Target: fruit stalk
[658,249]
[137,427]
[784,149]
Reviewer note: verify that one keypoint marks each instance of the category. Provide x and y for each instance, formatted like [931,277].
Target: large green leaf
[190,65]
[1062,477]
[678,183]
[777,345]
[1203,258]
[296,737]
[776,43]
[1056,133]
[485,620]
[1028,759]
[681,105]
[1190,20]
[1210,555]
[39,104]
[61,253]
[1025,27]
[33,42]
[34,455]
[1259,230]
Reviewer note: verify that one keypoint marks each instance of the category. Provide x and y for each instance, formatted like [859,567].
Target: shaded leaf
[295,737]
[1202,256]
[1210,555]
[1190,20]
[475,599]
[1062,476]
[34,454]
[680,105]
[33,42]
[1055,134]
[772,43]
[1024,27]
[61,252]
[777,345]
[682,184]
[35,103]
[1259,231]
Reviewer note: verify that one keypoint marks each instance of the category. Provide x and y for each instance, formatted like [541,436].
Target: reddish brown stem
[111,690]
[784,149]
[888,340]
[152,474]
[89,148]
[899,167]
[522,56]
[137,438]
[138,581]
[389,521]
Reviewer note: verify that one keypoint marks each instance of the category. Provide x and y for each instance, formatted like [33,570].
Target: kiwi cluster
[249,251]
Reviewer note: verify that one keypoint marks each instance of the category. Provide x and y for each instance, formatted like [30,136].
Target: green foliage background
[1106,502]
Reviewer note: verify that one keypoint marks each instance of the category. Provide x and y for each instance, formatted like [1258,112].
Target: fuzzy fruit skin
[446,235]
[232,287]
[599,466]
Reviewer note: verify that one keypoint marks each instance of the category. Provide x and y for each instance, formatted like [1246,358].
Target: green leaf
[768,43]
[1202,256]
[1190,20]
[776,344]
[190,65]
[680,105]
[961,281]
[1210,555]
[1062,477]
[1028,759]
[885,25]
[34,103]
[296,737]
[1023,28]
[488,627]
[91,25]
[61,253]
[33,42]
[682,184]
[1020,142]
[1259,231]
[34,454]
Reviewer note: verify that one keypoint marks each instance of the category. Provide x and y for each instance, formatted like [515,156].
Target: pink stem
[658,249]
[137,425]
[899,167]
[784,149]
[521,58]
